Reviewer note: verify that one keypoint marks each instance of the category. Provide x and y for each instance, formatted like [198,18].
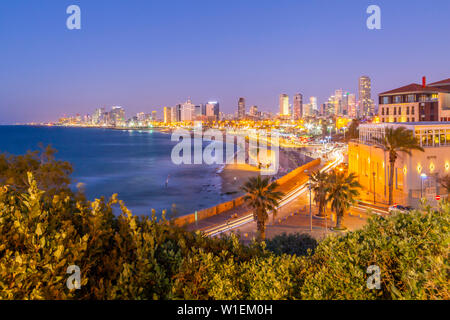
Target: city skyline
[68,72]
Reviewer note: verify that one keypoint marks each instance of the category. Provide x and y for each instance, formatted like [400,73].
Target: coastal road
[288,199]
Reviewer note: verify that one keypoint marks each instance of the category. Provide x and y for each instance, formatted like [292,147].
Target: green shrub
[411,250]
[42,233]
[298,244]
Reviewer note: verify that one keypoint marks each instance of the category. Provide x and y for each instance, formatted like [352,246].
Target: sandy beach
[235,175]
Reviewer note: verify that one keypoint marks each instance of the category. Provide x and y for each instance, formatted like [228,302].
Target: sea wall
[226,206]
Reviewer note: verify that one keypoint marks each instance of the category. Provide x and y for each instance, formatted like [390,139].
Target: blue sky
[145,54]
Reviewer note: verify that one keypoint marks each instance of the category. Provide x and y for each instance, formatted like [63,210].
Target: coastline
[234,175]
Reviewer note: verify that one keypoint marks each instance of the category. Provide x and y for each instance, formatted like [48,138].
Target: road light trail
[292,195]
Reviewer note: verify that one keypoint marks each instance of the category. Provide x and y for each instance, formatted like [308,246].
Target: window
[413,119]
[412,110]
[395,111]
[384,100]
[399,110]
[398,99]
[387,111]
[382,111]
[411,97]
[407,110]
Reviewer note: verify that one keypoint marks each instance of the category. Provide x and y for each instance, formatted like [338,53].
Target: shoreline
[233,175]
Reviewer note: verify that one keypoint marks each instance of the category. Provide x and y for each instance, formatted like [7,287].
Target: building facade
[415,176]
[365,102]
[241,108]
[298,106]
[284,105]
[416,103]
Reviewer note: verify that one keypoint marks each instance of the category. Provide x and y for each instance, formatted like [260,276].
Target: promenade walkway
[242,210]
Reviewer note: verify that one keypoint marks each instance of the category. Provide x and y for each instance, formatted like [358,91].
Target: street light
[310,204]
[423,176]
[374,202]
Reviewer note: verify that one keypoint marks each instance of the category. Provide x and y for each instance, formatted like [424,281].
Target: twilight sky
[145,54]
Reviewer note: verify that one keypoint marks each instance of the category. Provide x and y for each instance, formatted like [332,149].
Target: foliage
[445,183]
[411,250]
[298,244]
[130,257]
[50,175]
[394,141]
[262,198]
[319,183]
[353,130]
[341,191]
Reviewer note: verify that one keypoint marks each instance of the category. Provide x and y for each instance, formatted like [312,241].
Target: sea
[135,164]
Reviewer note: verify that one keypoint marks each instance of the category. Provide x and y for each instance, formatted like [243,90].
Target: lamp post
[374,200]
[310,203]
[423,176]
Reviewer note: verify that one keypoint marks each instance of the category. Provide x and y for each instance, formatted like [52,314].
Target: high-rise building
[167,115]
[366,105]
[298,106]
[97,117]
[241,108]
[351,105]
[187,111]
[253,111]
[118,115]
[212,109]
[416,103]
[284,105]
[314,106]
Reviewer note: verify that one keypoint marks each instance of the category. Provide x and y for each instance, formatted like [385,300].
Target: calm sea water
[133,164]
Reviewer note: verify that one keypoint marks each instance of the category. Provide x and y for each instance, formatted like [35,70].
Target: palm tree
[394,141]
[262,197]
[445,183]
[319,183]
[342,191]
[353,130]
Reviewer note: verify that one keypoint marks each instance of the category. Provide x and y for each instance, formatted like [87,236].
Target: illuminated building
[298,106]
[366,105]
[414,174]
[212,110]
[187,111]
[314,107]
[167,114]
[284,105]
[241,108]
[414,103]
[117,116]
[351,105]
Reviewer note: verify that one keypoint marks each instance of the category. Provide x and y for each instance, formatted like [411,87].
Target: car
[404,209]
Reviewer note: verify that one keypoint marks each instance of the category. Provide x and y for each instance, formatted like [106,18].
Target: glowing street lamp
[423,176]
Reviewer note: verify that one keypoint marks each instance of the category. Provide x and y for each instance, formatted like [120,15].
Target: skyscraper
[118,115]
[187,111]
[352,105]
[167,115]
[314,106]
[241,108]
[284,105]
[366,105]
[298,106]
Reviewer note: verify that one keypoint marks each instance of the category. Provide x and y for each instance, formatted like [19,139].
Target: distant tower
[241,108]
[298,106]
[366,105]
[284,105]
[314,106]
